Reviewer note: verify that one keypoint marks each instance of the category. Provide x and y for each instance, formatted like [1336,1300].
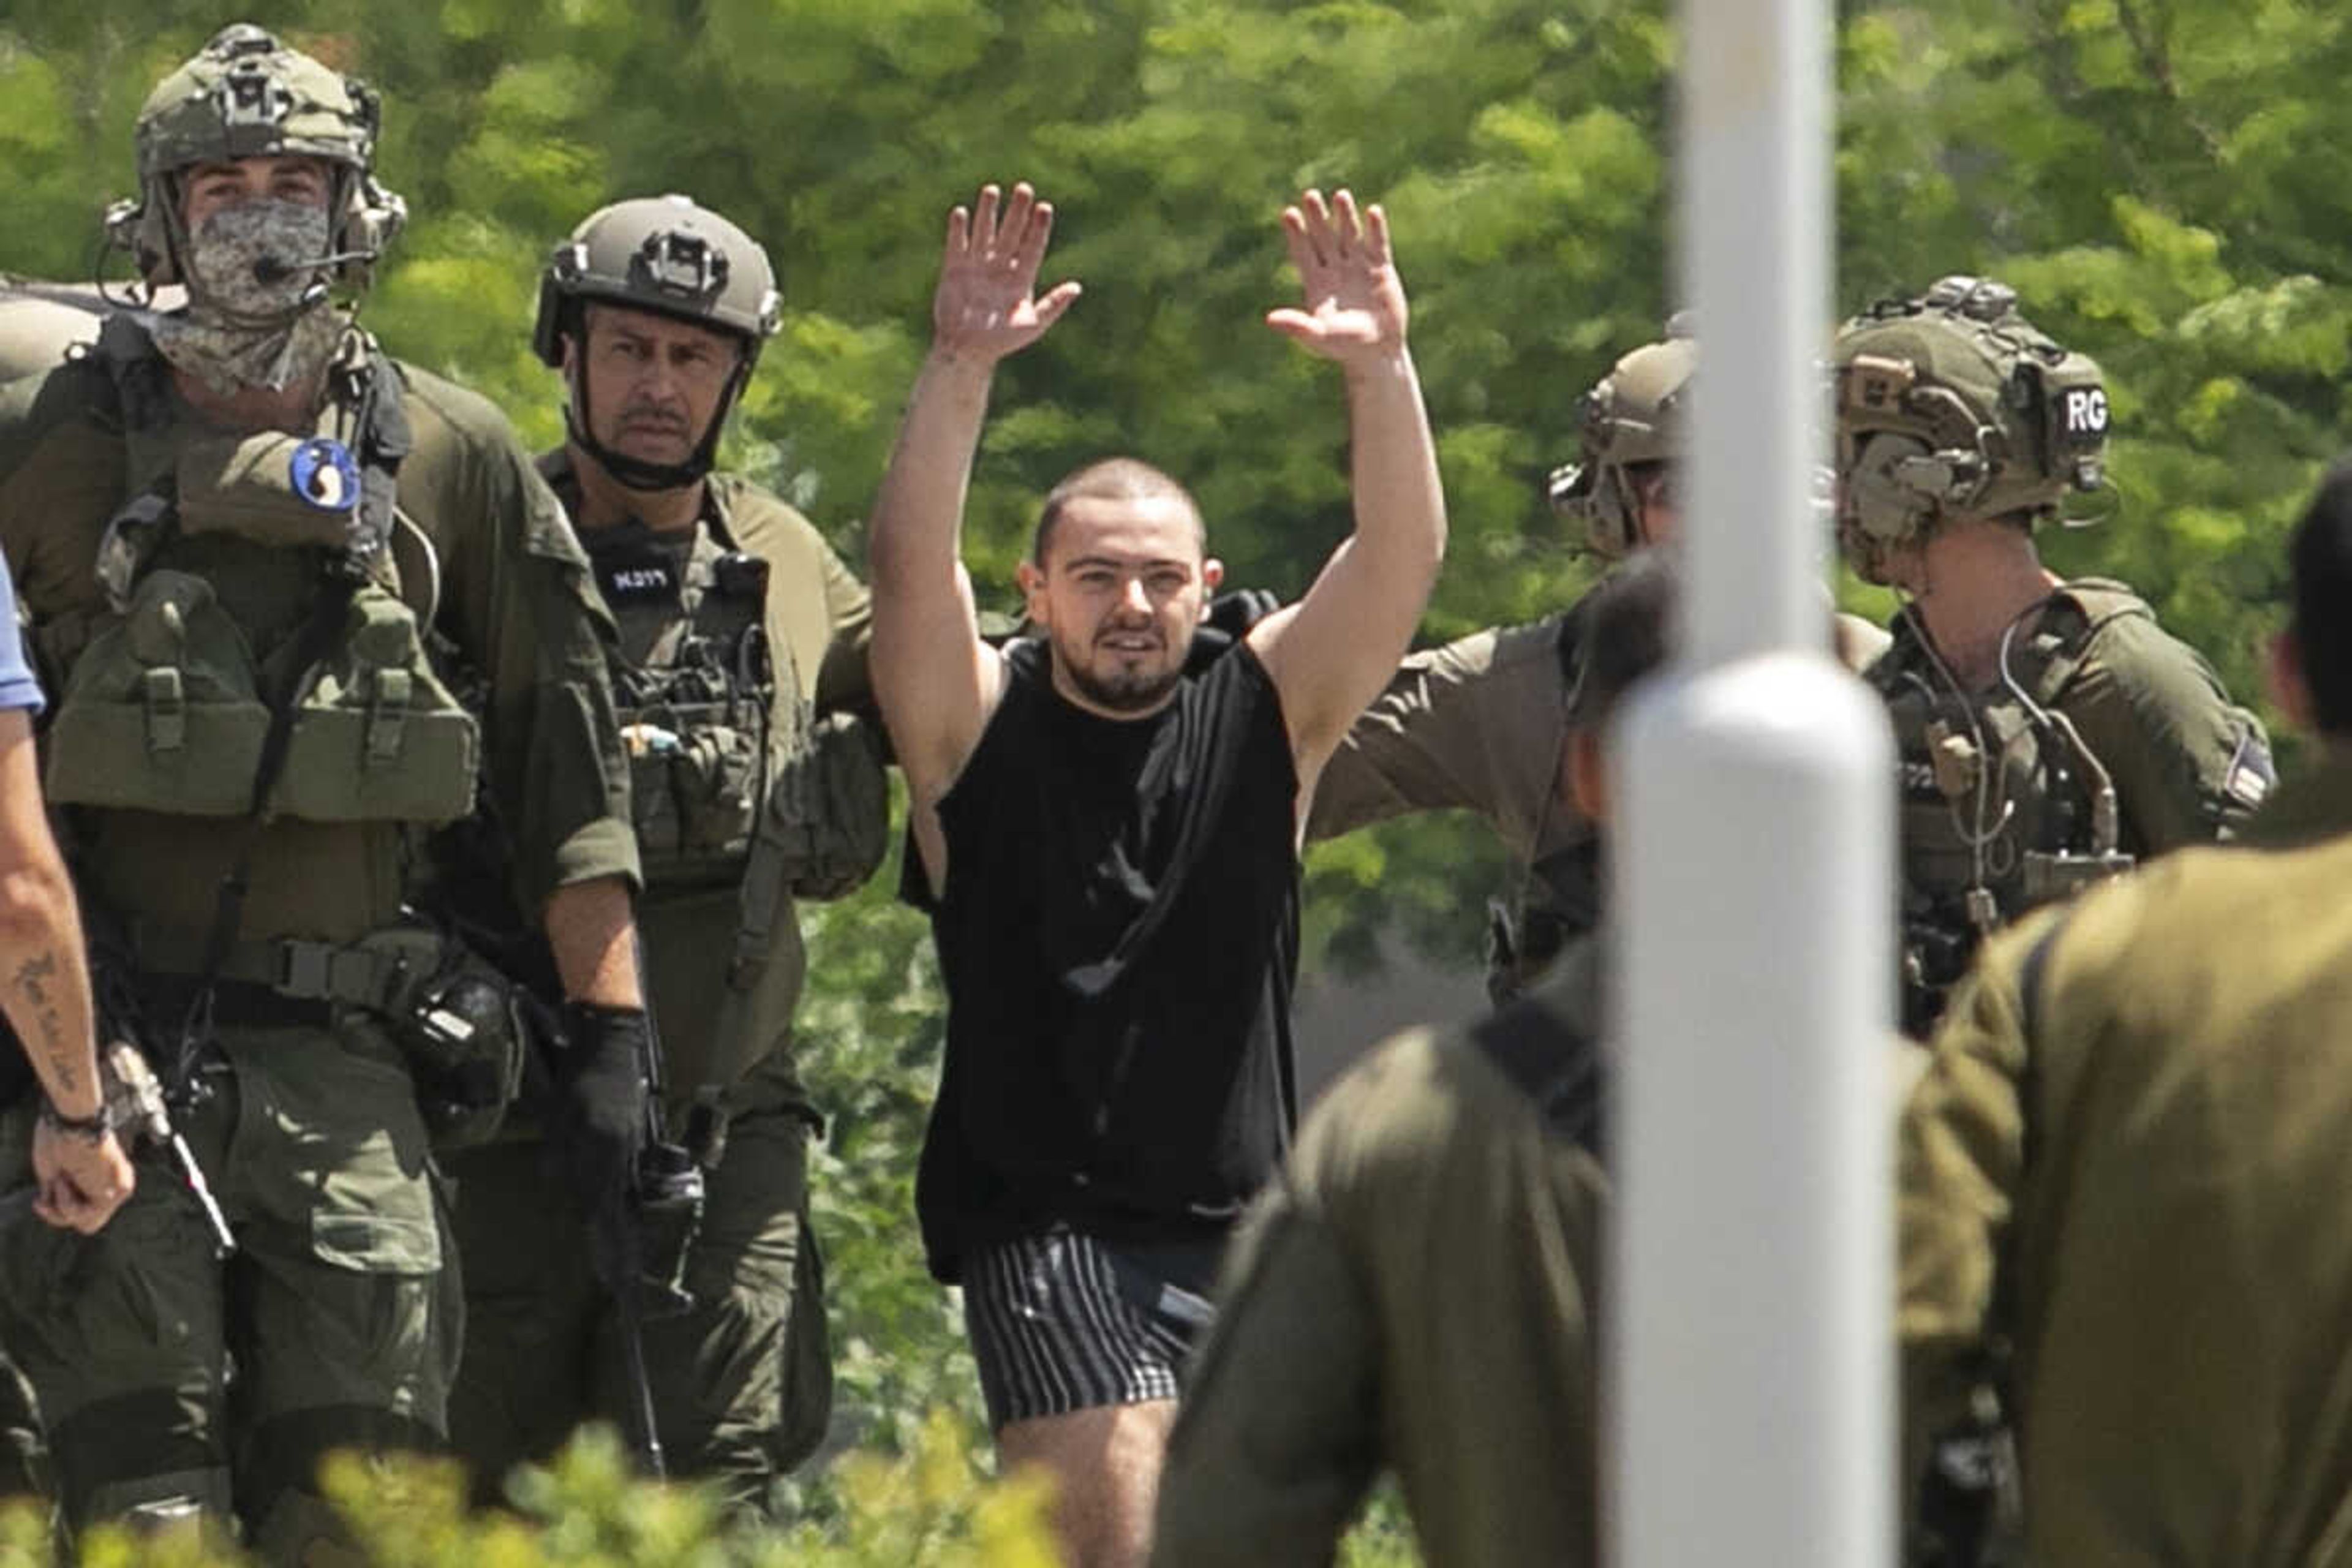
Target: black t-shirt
[1117,935]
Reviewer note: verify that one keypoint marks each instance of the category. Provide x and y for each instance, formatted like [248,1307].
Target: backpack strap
[2087,606]
[1553,1057]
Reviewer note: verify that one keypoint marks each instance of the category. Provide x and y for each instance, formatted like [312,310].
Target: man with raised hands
[1107,818]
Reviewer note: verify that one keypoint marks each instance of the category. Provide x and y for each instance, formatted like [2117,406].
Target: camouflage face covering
[257,317]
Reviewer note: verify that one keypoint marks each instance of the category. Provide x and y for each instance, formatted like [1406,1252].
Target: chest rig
[696,686]
[2003,807]
[262,652]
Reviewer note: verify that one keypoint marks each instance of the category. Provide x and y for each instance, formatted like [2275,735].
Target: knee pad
[146,1504]
[138,1458]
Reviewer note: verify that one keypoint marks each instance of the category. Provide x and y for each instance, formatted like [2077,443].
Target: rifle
[639,1238]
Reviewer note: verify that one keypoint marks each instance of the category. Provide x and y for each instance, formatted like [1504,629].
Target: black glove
[1234,613]
[602,1111]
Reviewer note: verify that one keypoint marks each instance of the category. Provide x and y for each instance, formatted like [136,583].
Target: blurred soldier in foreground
[743,640]
[1418,1290]
[2050,732]
[1108,829]
[1479,723]
[2127,1161]
[233,526]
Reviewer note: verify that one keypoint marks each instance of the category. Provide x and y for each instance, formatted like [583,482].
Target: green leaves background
[2163,180]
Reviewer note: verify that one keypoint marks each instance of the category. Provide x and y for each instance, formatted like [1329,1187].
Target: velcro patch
[648,579]
[2246,785]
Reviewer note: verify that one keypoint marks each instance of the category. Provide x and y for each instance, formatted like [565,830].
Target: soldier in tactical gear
[2050,732]
[1478,723]
[233,526]
[742,647]
[2125,1160]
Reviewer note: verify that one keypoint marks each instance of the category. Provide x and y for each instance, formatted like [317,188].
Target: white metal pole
[1751,1387]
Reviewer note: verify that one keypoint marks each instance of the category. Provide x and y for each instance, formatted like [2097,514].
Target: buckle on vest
[166,700]
[387,714]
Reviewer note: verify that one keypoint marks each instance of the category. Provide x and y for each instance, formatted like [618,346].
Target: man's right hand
[604,1110]
[80,1180]
[986,307]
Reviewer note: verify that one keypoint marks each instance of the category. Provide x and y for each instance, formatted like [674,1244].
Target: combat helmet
[1636,415]
[1953,405]
[245,95]
[672,257]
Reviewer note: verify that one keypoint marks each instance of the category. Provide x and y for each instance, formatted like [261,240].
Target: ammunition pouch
[694,785]
[455,1018]
[164,712]
[827,823]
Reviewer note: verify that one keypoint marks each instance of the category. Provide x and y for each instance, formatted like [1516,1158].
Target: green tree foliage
[2158,178]
[928,1506]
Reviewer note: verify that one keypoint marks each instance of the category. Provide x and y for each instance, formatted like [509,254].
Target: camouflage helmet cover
[246,95]
[665,253]
[1952,405]
[1635,415]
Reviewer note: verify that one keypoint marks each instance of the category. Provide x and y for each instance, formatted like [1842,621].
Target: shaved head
[1113,479]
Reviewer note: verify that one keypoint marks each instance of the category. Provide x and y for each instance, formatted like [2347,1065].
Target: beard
[1128,690]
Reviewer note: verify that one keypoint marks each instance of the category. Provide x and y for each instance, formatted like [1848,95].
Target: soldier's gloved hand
[602,1109]
[1234,613]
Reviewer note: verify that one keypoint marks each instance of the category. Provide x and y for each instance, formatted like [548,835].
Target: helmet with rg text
[1952,406]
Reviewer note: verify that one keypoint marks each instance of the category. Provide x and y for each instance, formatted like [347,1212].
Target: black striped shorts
[1062,1322]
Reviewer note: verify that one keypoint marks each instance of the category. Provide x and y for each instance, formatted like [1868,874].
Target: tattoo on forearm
[35,982]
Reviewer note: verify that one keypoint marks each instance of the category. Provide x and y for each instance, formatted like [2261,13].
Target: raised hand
[986,306]
[1351,301]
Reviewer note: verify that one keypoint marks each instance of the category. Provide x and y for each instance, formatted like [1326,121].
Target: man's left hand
[1352,305]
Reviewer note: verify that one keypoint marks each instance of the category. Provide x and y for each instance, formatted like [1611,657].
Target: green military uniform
[2112,742]
[1477,725]
[338,1311]
[2126,1162]
[741,1382]
[2097,740]
[1334,1357]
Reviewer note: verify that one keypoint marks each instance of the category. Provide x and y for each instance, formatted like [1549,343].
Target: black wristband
[94,1126]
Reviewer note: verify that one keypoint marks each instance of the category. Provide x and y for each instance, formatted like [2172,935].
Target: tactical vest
[251,573]
[694,687]
[2002,807]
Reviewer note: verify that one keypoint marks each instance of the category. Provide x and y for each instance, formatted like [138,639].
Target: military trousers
[23,1449]
[743,1383]
[171,1381]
